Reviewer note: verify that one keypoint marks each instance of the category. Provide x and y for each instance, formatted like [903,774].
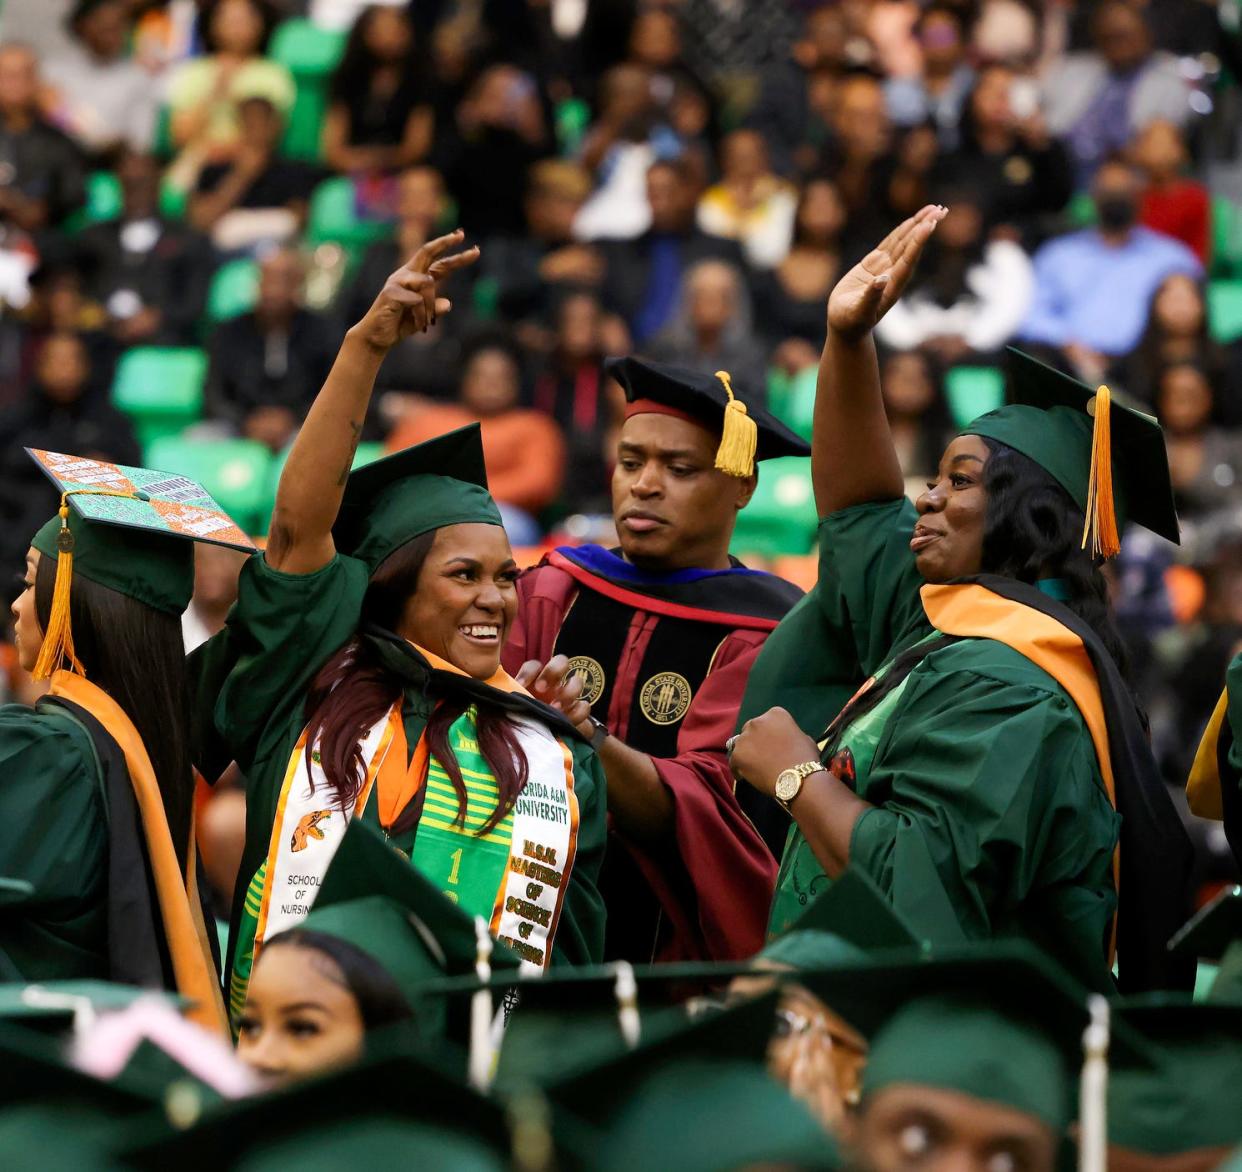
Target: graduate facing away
[992,771]
[659,635]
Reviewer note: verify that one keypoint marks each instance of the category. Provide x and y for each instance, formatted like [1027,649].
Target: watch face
[787,784]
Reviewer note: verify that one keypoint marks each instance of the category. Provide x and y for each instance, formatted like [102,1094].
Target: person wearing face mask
[978,772]
[359,676]
[1093,287]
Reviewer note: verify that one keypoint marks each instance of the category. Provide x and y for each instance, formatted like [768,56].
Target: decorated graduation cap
[373,899]
[1187,1101]
[747,432]
[129,529]
[1109,458]
[431,485]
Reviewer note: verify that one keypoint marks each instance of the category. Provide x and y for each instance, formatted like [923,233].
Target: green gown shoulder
[53,847]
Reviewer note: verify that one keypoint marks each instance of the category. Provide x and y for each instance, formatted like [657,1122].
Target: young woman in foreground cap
[978,773]
[96,787]
[359,675]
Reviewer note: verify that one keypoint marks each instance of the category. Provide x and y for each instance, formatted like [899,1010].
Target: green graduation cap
[1110,458]
[53,1006]
[714,1117]
[1213,928]
[126,528]
[1188,1100]
[747,432]
[431,485]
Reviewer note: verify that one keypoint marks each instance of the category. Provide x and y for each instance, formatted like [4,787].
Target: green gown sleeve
[284,628]
[868,585]
[53,836]
[580,934]
[990,814]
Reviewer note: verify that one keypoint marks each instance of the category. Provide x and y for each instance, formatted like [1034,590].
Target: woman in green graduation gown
[96,786]
[979,771]
[359,675]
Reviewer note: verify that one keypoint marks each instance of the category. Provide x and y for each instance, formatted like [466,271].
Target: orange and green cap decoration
[128,529]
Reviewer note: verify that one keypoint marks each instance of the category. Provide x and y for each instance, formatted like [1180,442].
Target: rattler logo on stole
[665,697]
[592,676]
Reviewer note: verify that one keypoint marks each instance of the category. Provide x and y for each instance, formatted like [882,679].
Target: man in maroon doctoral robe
[662,633]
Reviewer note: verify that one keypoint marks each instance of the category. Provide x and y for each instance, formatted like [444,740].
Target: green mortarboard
[714,1117]
[748,432]
[431,485]
[1189,1098]
[373,898]
[1051,419]
[130,529]
[1213,928]
[849,919]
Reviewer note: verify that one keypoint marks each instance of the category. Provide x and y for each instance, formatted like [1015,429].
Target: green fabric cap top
[1213,928]
[962,1044]
[152,568]
[431,485]
[1050,420]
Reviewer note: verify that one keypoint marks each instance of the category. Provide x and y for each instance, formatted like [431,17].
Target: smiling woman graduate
[359,676]
[979,773]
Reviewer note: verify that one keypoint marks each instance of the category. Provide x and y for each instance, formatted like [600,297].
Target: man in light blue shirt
[1093,288]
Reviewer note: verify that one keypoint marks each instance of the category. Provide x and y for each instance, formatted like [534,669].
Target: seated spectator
[1173,204]
[1018,173]
[629,135]
[267,366]
[642,277]
[499,132]
[149,272]
[1097,100]
[530,268]
[572,389]
[61,415]
[1205,461]
[713,329]
[858,155]
[61,303]
[97,94]
[216,570]
[258,196]
[917,416]
[44,173]
[378,118]
[524,449]
[939,95]
[1093,287]
[1177,331]
[750,204]
[969,295]
[424,363]
[205,93]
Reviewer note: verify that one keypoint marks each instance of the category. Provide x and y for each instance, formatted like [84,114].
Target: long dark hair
[352,77]
[136,654]
[354,689]
[380,1000]
[1032,530]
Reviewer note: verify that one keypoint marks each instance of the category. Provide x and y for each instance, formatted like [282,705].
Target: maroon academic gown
[666,665]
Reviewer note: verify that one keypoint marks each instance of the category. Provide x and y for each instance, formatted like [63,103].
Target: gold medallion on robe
[665,697]
[592,676]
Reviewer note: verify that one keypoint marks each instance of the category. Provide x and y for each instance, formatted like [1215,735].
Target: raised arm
[313,481]
[852,456]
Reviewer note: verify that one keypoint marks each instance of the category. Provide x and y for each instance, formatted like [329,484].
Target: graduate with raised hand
[993,762]
[96,785]
[659,635]
[359,675]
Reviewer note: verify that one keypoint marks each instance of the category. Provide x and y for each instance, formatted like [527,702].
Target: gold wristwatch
[789,781]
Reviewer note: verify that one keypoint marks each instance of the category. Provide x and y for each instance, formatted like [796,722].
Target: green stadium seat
[1080,211]
[972,390]
[160,388]
[103,201]
[1226,237]
[781,517]
[1224,303]
[367,453]
[233,290]
[235,471]
[310,54]
[333,217]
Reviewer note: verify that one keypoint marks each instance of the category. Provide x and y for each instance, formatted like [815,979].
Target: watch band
[600,735]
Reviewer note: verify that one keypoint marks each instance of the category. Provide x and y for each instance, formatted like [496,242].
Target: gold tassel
[58,638]
[739,437]
[1100,525]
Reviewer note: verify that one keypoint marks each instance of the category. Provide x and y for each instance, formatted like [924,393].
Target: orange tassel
[1100,525]
[58,638]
